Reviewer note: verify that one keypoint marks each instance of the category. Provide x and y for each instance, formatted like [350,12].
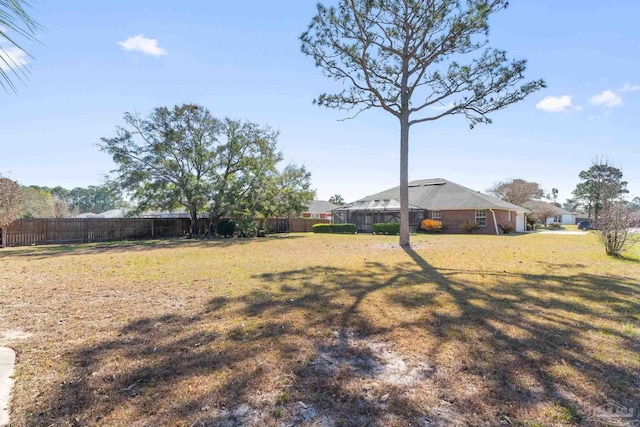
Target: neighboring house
[437,199]
[319,209]
[87,215]
[178,213]
[558,215]
[113,213]
[125,212]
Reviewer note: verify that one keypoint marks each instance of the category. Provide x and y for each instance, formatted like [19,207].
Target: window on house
[481,218]
[509,216]
[436,215]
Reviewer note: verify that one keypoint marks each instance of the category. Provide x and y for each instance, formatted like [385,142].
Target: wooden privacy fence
[26,232]
[304,225]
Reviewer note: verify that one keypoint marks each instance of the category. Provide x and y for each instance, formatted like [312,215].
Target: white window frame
[481,217]
[436,215]
[509,216]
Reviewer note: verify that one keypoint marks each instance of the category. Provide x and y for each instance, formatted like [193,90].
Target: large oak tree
[409,56]
[185,157]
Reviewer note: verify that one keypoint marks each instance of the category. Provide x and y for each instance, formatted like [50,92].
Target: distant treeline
[59,202]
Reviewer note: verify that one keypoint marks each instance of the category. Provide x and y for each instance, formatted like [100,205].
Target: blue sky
[97,60]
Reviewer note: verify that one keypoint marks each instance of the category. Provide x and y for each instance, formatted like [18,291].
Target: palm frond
[14,19]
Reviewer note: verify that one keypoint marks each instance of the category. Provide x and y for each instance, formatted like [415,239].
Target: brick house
[319,209]
[437,199]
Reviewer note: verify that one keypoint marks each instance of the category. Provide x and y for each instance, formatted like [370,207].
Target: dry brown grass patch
[322,330]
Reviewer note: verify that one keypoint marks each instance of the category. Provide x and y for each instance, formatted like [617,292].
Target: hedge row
[386,228]
[335,228]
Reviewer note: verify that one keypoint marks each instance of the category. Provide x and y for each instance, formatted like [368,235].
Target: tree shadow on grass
[630,259]
[397,345]
[124,246]
[540,337]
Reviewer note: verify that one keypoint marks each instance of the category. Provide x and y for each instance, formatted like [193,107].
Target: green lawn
[322,330]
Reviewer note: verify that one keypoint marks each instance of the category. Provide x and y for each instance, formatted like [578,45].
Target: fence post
[121,228]
[46,231]
[152,228]
[3,231]
[86,230]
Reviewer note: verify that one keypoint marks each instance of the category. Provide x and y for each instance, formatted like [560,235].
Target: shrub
[270,228]
[225,227]
[247,227]
[346,228]
[469,226]
[613,229]
[335,228]
[431,225]
[506,228]
[321,228]
[386,228]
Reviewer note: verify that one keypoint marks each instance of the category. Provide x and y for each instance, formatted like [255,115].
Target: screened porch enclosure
[366,213]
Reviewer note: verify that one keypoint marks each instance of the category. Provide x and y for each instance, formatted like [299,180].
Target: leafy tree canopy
[185,157]
[601,186]
[36,202]
[286,193]
[9,201]
[336,199]
[246,163]
[634,203]
[94,198]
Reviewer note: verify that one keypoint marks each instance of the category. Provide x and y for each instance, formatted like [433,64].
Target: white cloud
[557,104]
[12,58]
[628,88]
[607,99]
[143,44]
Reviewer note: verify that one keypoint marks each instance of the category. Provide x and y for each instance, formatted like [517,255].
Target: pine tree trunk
[404,181]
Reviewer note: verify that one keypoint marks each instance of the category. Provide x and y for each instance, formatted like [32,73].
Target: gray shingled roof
[376,205]
[537,204]
[320,206]
[440,194]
